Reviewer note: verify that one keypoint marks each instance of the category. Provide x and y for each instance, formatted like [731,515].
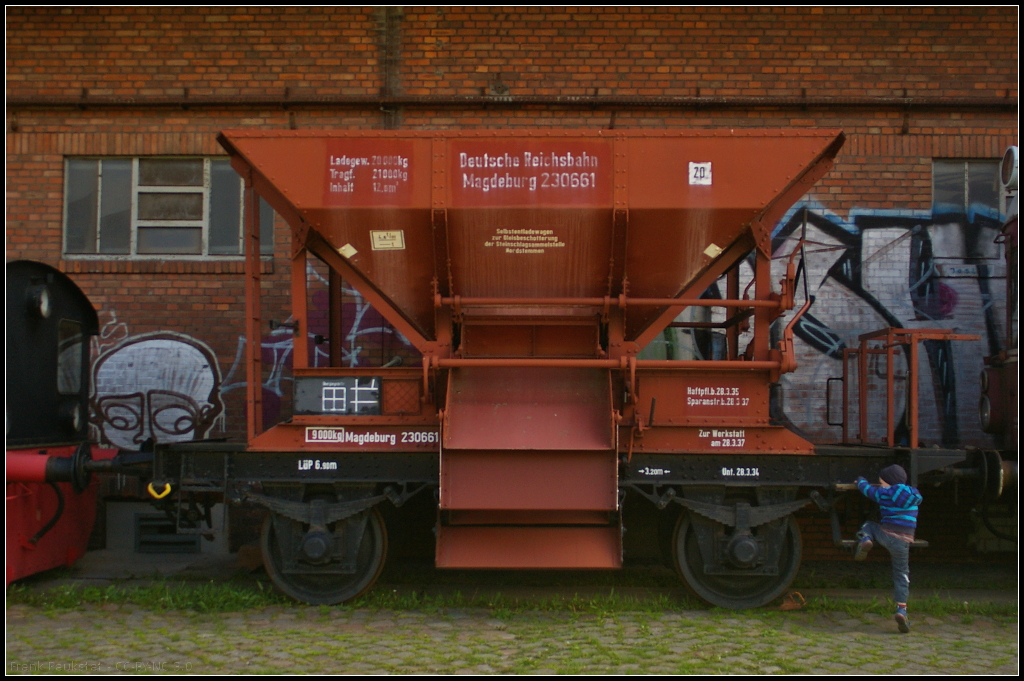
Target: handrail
[892,340]
[620,301]
[621,363]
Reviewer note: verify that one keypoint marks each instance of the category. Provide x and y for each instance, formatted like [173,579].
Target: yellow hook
[161,495]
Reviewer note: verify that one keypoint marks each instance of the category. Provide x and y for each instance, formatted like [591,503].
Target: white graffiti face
[163,386]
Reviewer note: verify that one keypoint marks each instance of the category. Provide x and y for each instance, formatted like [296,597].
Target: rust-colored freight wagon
[530,270]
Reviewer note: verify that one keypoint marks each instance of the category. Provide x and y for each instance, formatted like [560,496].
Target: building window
[157,207]
[969,188]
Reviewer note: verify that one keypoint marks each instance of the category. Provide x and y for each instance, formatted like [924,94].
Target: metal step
[551,547]
[155,533]
[851,544]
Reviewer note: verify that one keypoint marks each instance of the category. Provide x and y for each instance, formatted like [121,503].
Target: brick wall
[571,51]
[109,81]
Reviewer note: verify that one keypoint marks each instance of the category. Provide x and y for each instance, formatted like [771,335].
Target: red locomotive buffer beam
[51,505]
[529,269]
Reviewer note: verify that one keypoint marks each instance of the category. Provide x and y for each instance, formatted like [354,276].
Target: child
[898,502]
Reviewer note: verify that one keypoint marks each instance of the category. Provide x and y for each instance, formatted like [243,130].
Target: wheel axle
[317,546]
[738,570]
[742,550]
[324,565]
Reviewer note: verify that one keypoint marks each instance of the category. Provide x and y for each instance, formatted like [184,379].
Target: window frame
[136,223]
[965,165]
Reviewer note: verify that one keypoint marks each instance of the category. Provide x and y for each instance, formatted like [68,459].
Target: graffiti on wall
[369,340]
[275,353]
[163,385]
[903,269]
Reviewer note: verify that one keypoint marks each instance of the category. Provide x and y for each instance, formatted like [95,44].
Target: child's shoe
[901,619]
[863,547]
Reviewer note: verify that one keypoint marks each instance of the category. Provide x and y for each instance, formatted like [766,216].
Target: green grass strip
[215,597]
[208,597]
[502,604]
[932,605]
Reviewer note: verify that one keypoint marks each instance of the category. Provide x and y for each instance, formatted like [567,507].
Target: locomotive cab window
[69,357]
[149,207]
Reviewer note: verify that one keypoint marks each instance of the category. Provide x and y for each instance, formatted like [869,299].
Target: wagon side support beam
[254,363]
[380,303]
[727,260]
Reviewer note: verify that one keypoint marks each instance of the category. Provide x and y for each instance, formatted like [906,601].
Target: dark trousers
[899,552]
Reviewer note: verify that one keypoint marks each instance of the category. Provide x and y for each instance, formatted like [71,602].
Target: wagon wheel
[328,589]
[736,592]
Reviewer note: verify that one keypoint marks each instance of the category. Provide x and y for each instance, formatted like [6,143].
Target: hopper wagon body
[530,270]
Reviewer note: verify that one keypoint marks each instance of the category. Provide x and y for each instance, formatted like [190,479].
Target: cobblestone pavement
[303,639]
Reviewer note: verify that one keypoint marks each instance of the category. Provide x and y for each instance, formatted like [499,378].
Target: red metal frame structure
[520,266]
[643,316]
[894,341]
[529,270]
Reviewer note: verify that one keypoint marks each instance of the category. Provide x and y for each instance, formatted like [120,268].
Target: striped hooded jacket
[898,503]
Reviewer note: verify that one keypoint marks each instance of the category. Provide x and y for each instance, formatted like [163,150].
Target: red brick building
[114,174]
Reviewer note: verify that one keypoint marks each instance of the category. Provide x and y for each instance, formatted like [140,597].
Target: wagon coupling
[151,488]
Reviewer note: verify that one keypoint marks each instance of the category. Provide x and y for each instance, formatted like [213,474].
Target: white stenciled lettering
[568,180]
[420,437]
[512,172]
[317,465]
[524,240]
[715,396]
[349,161]
[741,472]
[556,160]
[393,160]
[504,160]
[370,438]
[498,181]
[720,438]
[345,175]
[346,436]
[714,432]
[388,173]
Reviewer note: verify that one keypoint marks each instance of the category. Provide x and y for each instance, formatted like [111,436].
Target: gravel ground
[294,639]
[128,639]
